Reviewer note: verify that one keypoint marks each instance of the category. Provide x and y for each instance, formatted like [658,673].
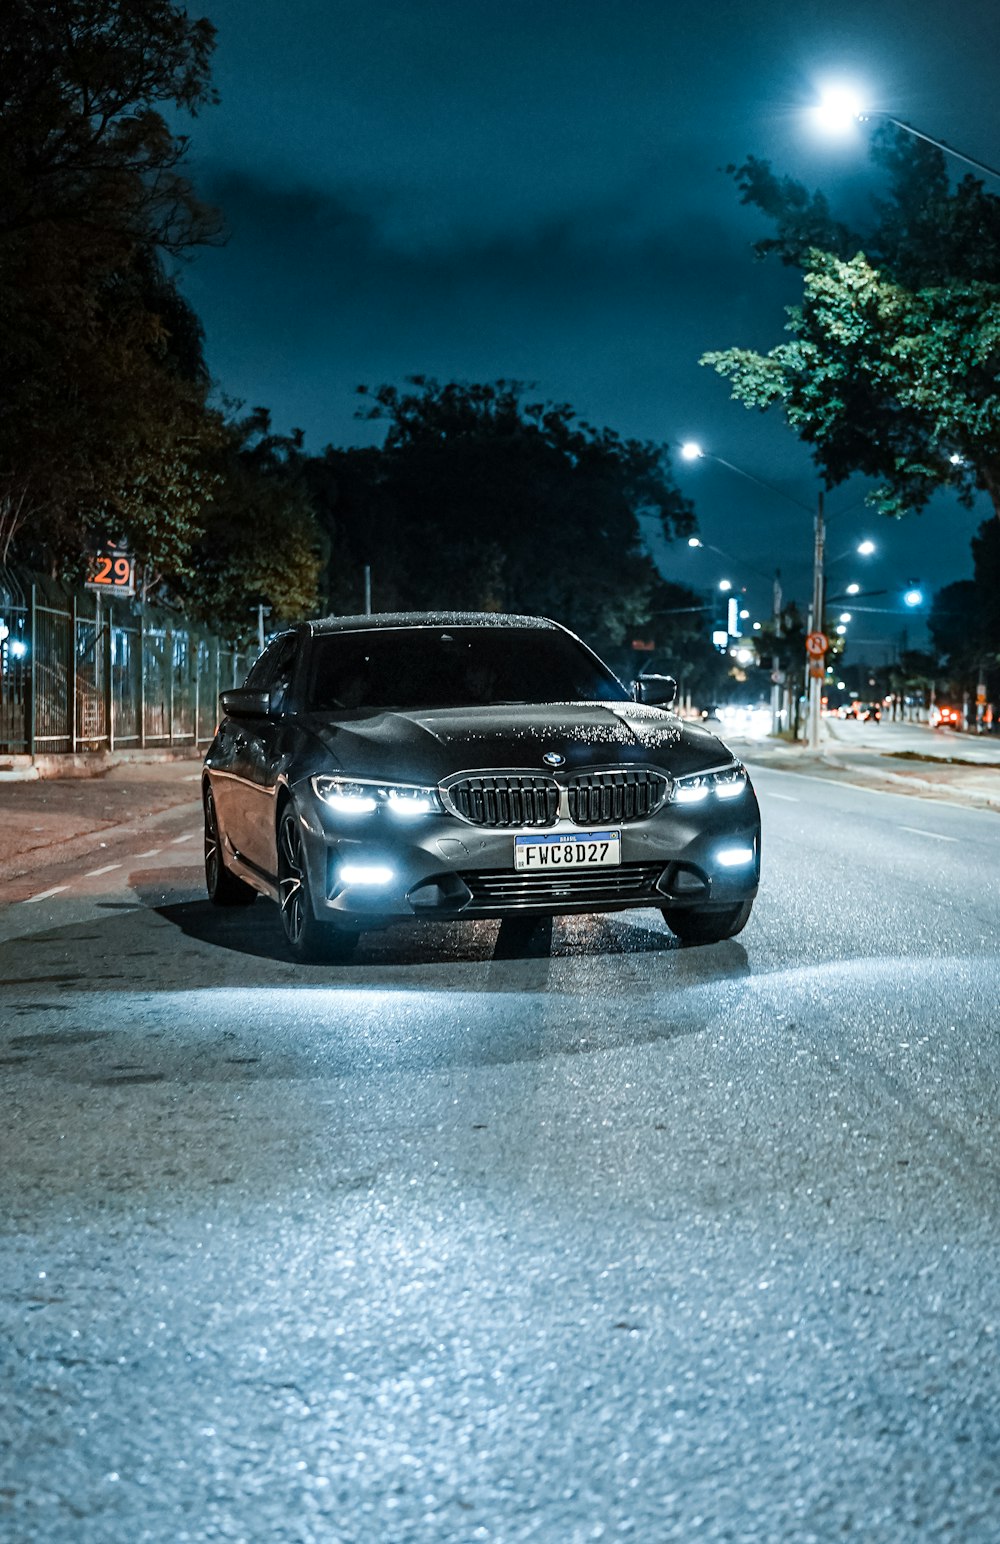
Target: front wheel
[224,889]
[309,939]
[707,924]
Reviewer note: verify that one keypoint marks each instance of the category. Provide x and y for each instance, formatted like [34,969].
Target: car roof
[390,619]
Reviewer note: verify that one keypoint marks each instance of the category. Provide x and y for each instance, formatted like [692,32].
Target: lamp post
[839,108]
[816,667]
[692,451]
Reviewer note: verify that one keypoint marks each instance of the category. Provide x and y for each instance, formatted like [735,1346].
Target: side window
[272,672]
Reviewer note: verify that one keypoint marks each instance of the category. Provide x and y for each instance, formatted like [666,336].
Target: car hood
[428,745]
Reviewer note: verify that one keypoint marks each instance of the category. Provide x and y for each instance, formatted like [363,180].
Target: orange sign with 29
[111,572]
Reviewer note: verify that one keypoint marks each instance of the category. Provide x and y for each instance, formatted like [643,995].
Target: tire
[310,940]
[706,924]
[224,889]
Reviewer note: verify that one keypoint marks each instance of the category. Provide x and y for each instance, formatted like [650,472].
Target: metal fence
[81,672]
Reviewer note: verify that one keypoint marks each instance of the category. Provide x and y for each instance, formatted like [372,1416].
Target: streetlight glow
[838,109]
[866,548]
[913,598]
[725,584]
[845,616]
[853,589]
[694,541]
[691,451]
[841,631]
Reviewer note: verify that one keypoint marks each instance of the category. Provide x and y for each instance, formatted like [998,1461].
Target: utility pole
[262,612]
[368,589]
[776,687]
[816,625]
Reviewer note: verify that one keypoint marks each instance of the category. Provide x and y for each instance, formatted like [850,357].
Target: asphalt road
[615,1240]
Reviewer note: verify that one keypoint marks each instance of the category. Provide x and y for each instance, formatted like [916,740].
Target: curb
[25,769]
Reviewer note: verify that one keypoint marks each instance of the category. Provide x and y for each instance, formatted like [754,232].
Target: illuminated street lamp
[840,107]
[913,598]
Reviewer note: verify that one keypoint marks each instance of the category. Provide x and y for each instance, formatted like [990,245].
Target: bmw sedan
[453,765]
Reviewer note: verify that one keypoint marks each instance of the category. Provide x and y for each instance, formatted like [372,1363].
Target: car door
[262,755]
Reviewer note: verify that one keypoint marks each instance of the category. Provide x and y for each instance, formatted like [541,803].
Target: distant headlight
[359,796]
[727,784]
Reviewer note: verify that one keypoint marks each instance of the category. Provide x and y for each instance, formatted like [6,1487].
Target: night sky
[475,189]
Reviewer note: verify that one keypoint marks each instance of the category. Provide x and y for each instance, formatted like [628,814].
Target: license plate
[585,849]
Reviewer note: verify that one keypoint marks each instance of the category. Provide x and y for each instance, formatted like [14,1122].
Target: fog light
[365,874]
[734,857]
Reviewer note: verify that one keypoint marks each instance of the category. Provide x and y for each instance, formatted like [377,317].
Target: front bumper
[439,866]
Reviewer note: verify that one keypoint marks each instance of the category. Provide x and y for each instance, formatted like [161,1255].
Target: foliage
[964,620]
[104,428]
[260,542]
[481,499]
[887,382]
[892,367]
[922,233]
[82,143]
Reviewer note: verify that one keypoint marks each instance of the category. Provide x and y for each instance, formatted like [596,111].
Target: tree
[103,419]
[680,622]
[483,500]
[880,380]
[892,368]
[260,543]
[83,146]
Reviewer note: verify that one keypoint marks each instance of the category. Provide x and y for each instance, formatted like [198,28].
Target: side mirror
[245,702]
[656,691]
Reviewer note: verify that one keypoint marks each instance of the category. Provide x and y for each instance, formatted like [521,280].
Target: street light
[692,450]
[840,107]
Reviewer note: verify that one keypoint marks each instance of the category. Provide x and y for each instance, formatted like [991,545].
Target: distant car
[458,766]
[945,717]
[861,711]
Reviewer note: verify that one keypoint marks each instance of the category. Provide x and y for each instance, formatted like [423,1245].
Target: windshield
[454,667]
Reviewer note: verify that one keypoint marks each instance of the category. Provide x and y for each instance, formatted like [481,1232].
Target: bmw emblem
[553,759]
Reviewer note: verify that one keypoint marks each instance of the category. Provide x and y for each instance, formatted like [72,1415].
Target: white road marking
[105,870]
[43,895]
[935,836]
[186,838]
[152,853]
[787,797]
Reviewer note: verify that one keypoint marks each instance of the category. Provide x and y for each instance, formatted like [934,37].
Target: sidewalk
[929,774]
[51,818]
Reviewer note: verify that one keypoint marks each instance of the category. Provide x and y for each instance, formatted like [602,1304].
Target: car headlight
[360,796]
[728,783]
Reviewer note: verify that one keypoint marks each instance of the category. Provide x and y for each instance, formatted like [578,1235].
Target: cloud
[317,291]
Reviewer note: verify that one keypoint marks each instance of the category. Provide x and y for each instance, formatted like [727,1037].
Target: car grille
[499,890]
[597,797]
[506,799]
[518,799]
